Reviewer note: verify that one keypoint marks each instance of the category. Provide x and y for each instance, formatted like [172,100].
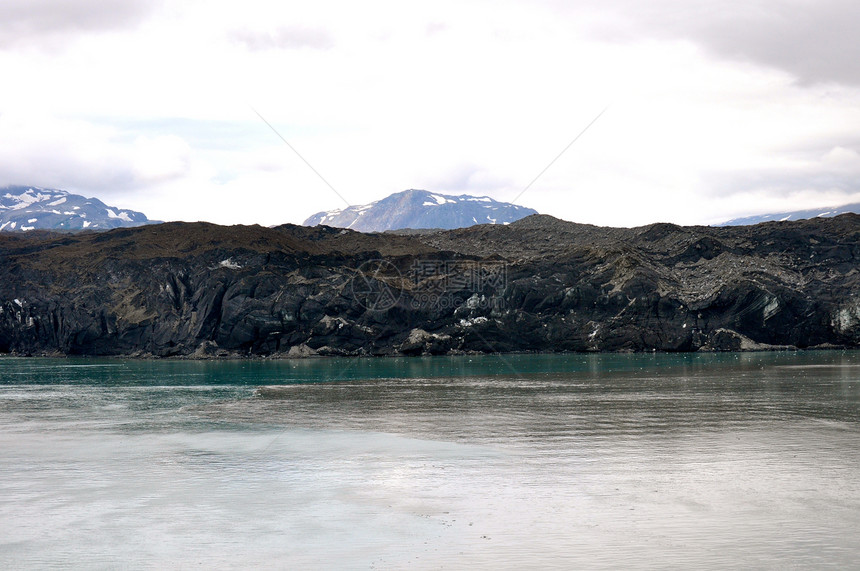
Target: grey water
[493,462]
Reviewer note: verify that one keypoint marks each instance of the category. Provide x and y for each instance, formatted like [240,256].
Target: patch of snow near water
[847,318]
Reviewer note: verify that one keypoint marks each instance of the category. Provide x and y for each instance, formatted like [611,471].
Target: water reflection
[569,461]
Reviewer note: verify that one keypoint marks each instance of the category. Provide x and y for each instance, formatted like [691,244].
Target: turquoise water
[120,372]
[549,461]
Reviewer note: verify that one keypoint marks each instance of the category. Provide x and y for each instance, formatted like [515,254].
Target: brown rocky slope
[539,284]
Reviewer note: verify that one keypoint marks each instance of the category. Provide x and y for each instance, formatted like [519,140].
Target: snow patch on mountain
[421,209]
[26,208]
[120,216]
[24,199]
[794,215]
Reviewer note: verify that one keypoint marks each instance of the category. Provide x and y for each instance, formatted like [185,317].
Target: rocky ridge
[539,284]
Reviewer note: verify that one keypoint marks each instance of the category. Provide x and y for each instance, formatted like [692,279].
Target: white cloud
[160,158]
[45,151]
[814,41]
[77,155]
[286,37]
[465,177]
[49,23]
[468,97]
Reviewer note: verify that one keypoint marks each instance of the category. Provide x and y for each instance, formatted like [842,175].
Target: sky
[611,112]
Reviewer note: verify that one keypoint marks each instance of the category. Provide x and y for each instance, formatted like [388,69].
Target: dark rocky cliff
[538,284]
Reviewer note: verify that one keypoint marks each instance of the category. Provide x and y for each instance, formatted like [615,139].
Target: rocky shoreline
[197,290]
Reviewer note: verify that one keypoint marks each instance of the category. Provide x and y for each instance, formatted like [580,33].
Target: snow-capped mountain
[422,209]
[794,215]
[24,208]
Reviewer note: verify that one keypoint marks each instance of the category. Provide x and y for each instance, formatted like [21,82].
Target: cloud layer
[716,109]
[813,41]
[41,22]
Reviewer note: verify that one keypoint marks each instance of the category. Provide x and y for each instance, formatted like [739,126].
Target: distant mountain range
[794,215]
[421,209]
[24,208]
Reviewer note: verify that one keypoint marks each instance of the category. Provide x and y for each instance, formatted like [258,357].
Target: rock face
[540,284]
[417,209]
[27,208]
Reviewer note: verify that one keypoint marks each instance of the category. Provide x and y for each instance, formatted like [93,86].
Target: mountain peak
[25,208]
[824,212]
[416,209]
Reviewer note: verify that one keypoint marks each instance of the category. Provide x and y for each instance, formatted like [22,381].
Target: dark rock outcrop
[540,284]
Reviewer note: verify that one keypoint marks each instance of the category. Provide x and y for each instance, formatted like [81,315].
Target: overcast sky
[713,108]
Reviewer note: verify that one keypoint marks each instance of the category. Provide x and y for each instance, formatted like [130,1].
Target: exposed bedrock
[539,284]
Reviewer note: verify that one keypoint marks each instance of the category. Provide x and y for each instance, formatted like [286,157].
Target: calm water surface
[566,461]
